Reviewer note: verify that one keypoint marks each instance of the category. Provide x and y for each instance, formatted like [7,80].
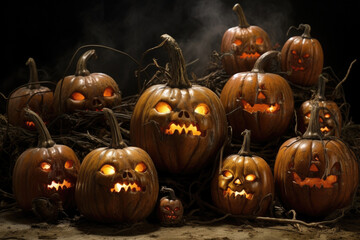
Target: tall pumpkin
[303,58]
[258,101]
[315,174]
[117,183]
[85,90]
[179,124]
[34,96]
[45,170]
[242,45]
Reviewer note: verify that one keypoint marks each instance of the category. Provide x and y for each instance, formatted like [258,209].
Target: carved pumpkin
[315,174]
[45,170]
[302,57]
[170,211]
[85,90]
[244,184]
[34,96]
[180,125]
[258,101]
[242,45]
[117,183]
[329,114]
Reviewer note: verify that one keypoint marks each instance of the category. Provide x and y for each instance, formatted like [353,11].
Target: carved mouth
[325,129]
[184,129]
[234,194]
[127,187]
[249,55]
[315,182]
[59,186]
[170,217]
[260,107]
[296,68]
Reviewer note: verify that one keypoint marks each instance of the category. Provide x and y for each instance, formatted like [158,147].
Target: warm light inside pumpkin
[108,92]
[69,164]
[202,109]
[141,167]
[315,182]
[261,95]
[249,55]
[126,186]
[260,107]
[238,42]
[229,192]
[182,129]
[250,177]
[107,169]
[65,184]
[259,41]
[314,168]
[77,96]
[306,55]
[30,124]
[227,174]
[325,129]
[163,107]
[327,115]
[45,166]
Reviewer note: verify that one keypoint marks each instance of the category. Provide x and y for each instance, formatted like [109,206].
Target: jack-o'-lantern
[85,90]
[329,114]
[242,45]
[170,211]
[244,184]
[45,170]
[116,183]
[34,96]
[258,101]
[303,58]
[315,174]
[180,125]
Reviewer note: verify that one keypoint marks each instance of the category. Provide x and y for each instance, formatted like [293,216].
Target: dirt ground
[15,224]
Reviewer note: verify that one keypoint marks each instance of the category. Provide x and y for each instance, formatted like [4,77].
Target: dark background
[51,31]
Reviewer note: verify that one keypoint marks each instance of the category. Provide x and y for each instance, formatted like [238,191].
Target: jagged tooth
[183,131]
[187,124]
[176,132]
[190,132]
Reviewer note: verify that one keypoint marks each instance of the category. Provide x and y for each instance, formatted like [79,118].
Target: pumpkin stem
[245,148]
[171,192]
[313,130]
[81,69]
[263,59]
[34,79]
[116,138]
[307,30]
[179,78]
[320,95]
[45,140]
[240,13]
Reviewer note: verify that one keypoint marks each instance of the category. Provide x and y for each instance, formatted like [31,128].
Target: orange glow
[249,55]
[108,92]
[314,168]
[308,115]
[259,41]
[202,109]
[325,129]
[315,182]
[65,184]
[295,68]
[163,107]
[327,115]
[238,42]
[250,177]
[77,96]
[261,95]
[293,52]
[182,129]
[107,169]
[45,166]
[141,167]
[243,193]
[227,174]
[30,124]
[126,186]
[306,55]
[69,164]
[260,107]
[237,181]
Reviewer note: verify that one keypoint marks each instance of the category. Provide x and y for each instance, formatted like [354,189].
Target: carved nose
[96,102]
[237,182]
[184,114]
[127,174]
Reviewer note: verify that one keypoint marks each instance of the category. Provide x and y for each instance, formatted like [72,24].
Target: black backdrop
[51,31]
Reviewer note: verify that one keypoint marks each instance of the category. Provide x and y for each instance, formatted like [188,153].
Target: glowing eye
[141,167]
[321,120]
[308,115]
[238,42]
[176,209]
[202,109]
[293,52]
[77,96]
[227,174]
[107,169]
[163,107]
[327,115]
[45,166]
[108,92]
[259,41]
[250,177]
[167,208]
[69,164]
[306,55]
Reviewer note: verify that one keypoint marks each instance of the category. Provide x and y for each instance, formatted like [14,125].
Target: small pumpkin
[34,96]
[85,90]
[180,125]
[45,170]
[315,174]
[258,101]
[330,119]
[170,210]
[303,58]
[243,45]
[244,184]
[116,183]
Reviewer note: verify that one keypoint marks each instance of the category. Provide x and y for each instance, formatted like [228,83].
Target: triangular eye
[314,168]
[108,92]
[261,95]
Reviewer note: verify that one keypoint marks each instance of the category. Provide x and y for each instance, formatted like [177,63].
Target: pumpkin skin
[244,184]
[196,113]
[34,96]
[47,169]
[170,210]
[85,90]
[314,174]
[258,101]
[303,58]
[117,183]
[242,45]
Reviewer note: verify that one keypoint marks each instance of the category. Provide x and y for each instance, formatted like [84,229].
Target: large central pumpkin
[179,124]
